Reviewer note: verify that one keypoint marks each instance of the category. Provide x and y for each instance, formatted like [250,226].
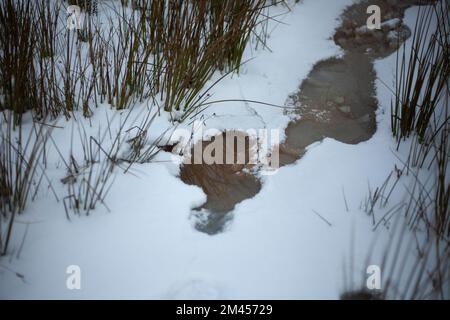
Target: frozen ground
[275,247]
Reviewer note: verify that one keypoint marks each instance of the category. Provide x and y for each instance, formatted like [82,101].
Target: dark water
[336,101]
[224,184]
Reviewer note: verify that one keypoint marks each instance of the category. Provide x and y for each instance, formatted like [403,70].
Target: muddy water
[337,100]
[224,184]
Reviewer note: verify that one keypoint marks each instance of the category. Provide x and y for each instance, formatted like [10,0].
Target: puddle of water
[224,184]
[337,100]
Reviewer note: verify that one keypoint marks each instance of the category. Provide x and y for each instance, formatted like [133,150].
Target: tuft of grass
[22,169]
[136,50]
[17,50]
[412,267]
[416,263]
[421,112]
[90,173]
[422,73]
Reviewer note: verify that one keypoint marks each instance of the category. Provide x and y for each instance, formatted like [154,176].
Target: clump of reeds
[193,39]
[422,73]
[416,264]
[421,111]
[22,161]
[147,49]
[93,159]
[442,186]
[90,173]
[412,265]
[17,51]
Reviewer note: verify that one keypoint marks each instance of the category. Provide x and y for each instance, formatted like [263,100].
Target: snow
[276,246]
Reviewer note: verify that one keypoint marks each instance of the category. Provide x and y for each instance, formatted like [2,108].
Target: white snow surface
[275,247]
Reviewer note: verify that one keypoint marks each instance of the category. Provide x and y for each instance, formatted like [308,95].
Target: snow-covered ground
[276,246]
